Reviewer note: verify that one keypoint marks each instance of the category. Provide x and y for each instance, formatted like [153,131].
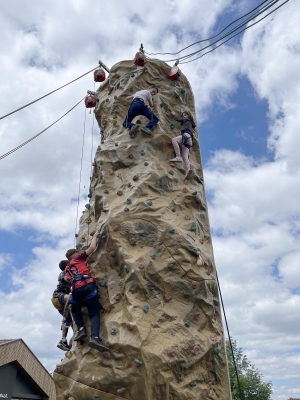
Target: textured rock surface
[161,316]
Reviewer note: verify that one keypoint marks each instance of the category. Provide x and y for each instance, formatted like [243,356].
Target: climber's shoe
[80,335]
[176,159]
[133,129]
[188,175]
[63,345]
[146,130]
[97,344]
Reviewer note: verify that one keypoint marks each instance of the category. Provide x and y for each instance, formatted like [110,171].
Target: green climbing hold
[104,238]
[173,209]
[113,331]
[194,193]
[132,136]
[89,195]
[182,91]
[161,104]
[193,384]
[129,184]
[127,230]
[172,84]
[131,89]
[106,191]
[172,231]
[116,144]
[187,324]
[126,269]
[153,256]
[172,126]
[176,96]
[132,75]
[96,397]
[146,164]
[128,201]
[194,250]
[142,152]
[146,309]
[149,203]
[102,283]
[193,228]
[87,206]
[76,235]
[138,363]
[186,295]
[217,351]
[171,267]
[171,172]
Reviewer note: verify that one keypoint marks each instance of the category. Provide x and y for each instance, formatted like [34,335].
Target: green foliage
[251,380]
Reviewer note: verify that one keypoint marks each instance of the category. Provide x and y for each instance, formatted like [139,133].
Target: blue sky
[247,97]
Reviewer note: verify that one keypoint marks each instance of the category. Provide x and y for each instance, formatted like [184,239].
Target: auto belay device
[175,72]
[91,100]
[140,58]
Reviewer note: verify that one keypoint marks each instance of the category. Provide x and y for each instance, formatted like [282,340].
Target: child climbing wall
[154,268]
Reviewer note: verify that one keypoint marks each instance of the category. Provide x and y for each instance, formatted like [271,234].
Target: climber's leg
[134,111]
[176,141]
[185,156]
[152,117]
[78,296]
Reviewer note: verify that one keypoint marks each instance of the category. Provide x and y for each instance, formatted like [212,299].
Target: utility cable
[235,367]
[38,134]
[48,94]
[80,173]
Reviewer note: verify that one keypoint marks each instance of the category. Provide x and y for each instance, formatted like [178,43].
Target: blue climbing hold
[76,235]
[193,384]
[171,267]
[172,231]
[87,206]
[127,230]
[193,228]
[102,283]
[138,363]
[173,209]
[194,250]
[149,203]
[186,295]
[89,195]
[132,136]
[128,201]
[153,256]
[106,191]
[113,331]
[146,309]
[126,269]
[142,152]
[129,184]
[116,144]
[96,397]
[104,238]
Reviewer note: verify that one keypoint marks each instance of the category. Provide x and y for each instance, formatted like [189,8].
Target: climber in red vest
[138,107]
[60,300]
[84,293]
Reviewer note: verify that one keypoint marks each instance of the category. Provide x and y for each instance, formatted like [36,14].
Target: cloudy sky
[247,95]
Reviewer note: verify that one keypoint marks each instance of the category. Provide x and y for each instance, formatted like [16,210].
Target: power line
[48,94]
[38,134]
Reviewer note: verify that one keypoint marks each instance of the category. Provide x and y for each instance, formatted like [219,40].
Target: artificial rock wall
[161,311]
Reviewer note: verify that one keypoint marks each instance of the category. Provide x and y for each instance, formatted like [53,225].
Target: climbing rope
[229,338]
[82,147]
[38,134]
[48,94]
[88,233]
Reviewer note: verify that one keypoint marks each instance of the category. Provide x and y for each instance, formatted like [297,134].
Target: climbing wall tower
[161,310]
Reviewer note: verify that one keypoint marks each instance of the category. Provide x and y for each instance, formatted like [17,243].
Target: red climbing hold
[196,316]
[91,101]
[99,75]
[121,390]
[141,266]
[140,59]
[174,73]
[112,253]
[132,242]
[194,284]
[129,326]
[171,353]
[200,261]
[120,192]
[195,350]
[167,298]
[106,354]
[118,297]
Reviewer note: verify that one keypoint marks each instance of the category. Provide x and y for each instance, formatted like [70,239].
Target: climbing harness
[185,139]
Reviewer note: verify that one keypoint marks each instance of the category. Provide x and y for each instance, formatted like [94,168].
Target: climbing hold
[187,324]
[208,272]
[89,195]
[126,209]
[132,136]
[132,75]
[171,353]
[214,338]
[196,316]
[193,228]
[173,209]
[141,266]
[172,126]
[217,351]
[167,298]
[149,203]
[194,250]
[161,104]
[87,206]
[83,238]
[126,269]
[180,239]
[102,283]
[107,100]
[193,384]
[116,229]
[115,97]
[200,261]
[187,217]
[142,152]
[195,350]
[197,201]
[112,253]
[172,231]
[201,241]
[102,141]
[186,295]
[96,397]
[103,181]
[153,256]
[113,331]
[135,178]
[127,230]
[106,354]
[59,368]
[194,284]
[131,89]
[194,193]
[185,190]
[182,91]
[120,192]
[132,242]
[106,191]
[171,267]
[146,309]
[129,326]
[76,235]
[121,390]
[69,354]
[130,155]
[88,221]
[110,172]
[118,297]
[104,238]
[206,392]
[176,96]
[116,144]
[138,363]
[128,201]
[171,172]
[146,164]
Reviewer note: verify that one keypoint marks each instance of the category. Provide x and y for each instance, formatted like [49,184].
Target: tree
[251,380]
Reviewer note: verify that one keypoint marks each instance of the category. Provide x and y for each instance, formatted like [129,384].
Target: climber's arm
[93,244]
[129,98]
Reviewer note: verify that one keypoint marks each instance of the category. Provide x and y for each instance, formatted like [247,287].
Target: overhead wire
[48,94]
[38,134]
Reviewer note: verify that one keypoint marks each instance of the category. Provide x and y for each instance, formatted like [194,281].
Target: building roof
[16,351]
